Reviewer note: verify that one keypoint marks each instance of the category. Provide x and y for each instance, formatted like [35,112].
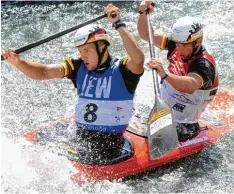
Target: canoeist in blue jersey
[105,84]
[192,80]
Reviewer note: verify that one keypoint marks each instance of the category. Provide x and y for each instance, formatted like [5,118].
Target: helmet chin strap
[100,55]
[195,50]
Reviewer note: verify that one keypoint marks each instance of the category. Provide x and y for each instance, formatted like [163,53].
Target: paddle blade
[162,135]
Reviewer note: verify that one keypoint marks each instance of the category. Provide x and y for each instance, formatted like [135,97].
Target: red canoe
[139,159]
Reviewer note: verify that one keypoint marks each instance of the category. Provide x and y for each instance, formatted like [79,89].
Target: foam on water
[26,104]
[28,168]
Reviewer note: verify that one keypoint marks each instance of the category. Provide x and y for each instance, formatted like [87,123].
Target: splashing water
[26,104]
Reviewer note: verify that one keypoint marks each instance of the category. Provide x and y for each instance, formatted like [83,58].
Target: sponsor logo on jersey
[179,107]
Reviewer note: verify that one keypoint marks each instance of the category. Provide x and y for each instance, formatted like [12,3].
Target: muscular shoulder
[72,66]
[205,70]
[131,80]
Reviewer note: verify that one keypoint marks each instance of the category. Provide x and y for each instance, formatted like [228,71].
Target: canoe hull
[140,161]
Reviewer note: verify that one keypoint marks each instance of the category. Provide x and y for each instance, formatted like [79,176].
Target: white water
[25,104]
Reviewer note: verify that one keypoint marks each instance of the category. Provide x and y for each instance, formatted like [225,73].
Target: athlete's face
[89,55]
[185,50]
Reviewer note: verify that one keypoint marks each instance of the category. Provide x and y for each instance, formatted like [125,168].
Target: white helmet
[89,34]
[186,30]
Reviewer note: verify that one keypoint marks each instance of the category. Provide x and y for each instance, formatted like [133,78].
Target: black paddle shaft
[42,41]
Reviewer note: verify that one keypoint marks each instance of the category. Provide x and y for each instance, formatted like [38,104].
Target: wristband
[140,12]
[118,24]
[164,77]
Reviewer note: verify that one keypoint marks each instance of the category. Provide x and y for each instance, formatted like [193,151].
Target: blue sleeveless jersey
[104,102]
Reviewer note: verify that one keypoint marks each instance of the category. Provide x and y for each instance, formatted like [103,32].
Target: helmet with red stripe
[89,34]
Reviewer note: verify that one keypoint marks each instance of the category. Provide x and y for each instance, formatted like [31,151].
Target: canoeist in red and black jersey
[191,81]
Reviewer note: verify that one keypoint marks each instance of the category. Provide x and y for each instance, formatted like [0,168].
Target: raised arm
[33,70]
[136,56]
[142,23]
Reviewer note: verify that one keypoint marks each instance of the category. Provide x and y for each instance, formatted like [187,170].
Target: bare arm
[33,70]
[143,31]
[38,71]
[135,62]
[142,23]
[186,84]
